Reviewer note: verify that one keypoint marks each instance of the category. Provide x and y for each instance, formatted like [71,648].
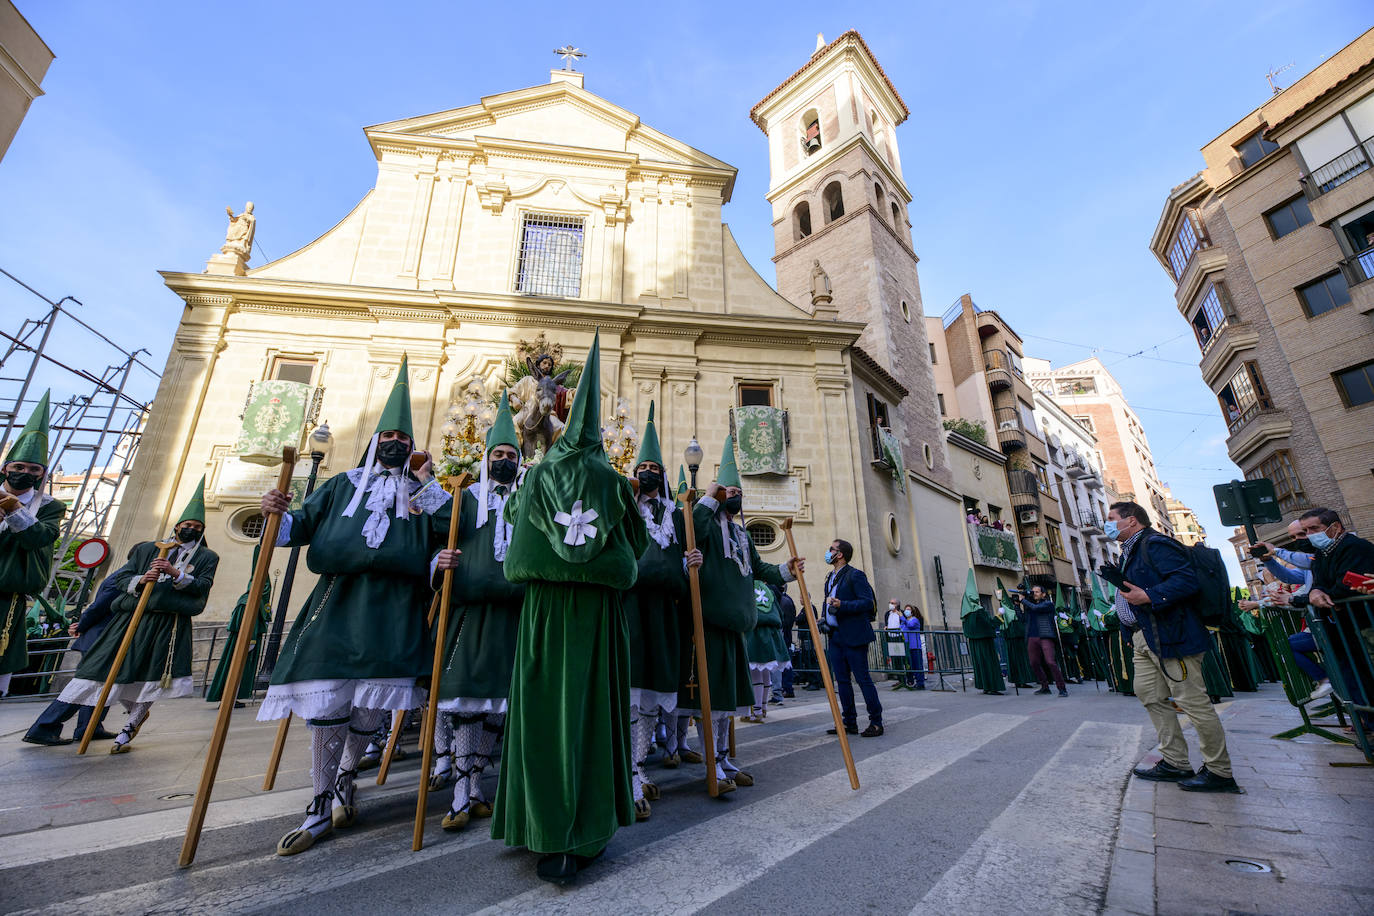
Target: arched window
[811,131]
[896,215]
[801,221]
[833,199]
[879,196]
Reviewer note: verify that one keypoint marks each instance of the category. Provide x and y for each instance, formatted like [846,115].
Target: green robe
[565,775]
[653,612]
[215,691]
[479,647]
[728,612]
[365,617]
[764,643]
[161,647]
[1121,655]
[25,563]
[1068,650]
[1264,656]
[1236,652]
[1214,671]
[1018,656]
[981,633]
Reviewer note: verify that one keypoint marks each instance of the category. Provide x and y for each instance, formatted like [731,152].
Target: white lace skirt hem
[82,692]
[769,666]
[653,701]
[472,706]
[335,698]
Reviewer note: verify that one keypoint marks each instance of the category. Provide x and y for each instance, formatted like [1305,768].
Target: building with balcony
[980,477]
[1093,398]
[1251,569]
[980,378]
[24,60]
[1186,526]
[1271,250]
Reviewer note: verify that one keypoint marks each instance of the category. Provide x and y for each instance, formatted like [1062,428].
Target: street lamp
[320,442]
[693,456]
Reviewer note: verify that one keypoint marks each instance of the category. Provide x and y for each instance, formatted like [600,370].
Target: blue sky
[1042,141]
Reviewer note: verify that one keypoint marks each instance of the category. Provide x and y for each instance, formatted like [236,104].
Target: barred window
[252,526]
[762,533]
[1278,467]
[550,256]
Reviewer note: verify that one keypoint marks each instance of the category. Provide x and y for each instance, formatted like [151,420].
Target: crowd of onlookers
[975,518]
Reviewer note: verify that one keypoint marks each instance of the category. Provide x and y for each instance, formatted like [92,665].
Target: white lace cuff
[284,532]
[430,498]
[20,519]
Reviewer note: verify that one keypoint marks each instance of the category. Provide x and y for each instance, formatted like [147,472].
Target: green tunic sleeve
[189,600]
[26,556]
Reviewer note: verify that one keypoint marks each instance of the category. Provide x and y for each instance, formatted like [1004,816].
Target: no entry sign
[91,553]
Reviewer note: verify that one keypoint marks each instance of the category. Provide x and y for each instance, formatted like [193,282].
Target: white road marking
[719,856]
[1056,836]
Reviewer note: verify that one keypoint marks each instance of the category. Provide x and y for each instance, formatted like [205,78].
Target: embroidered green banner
[892,451]
[994,548]
[274,417]
[760,440]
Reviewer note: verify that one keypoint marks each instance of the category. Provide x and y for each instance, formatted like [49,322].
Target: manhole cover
[177,796]
[1246,865]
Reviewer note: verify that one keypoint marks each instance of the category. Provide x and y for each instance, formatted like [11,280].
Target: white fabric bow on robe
[579,523]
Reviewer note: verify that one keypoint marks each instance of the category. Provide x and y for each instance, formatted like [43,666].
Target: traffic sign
[91,552]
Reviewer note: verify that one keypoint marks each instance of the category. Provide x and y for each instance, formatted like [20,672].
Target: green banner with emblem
[274,417]
[992,547]
[760,440]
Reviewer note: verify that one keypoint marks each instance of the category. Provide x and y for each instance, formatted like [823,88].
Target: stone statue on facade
[239,239]
[821,297]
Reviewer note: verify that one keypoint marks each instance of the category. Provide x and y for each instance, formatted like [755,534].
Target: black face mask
[503,470]
[649,482]
[1302,545]
[392,452]
[187,535]
[733,504]
[22,480]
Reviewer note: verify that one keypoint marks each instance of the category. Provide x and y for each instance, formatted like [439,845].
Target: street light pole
[320,442]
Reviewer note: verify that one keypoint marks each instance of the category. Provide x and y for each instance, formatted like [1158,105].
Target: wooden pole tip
[787,524]
[289,455]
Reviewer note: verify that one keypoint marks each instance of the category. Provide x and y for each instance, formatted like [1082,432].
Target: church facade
[549,212]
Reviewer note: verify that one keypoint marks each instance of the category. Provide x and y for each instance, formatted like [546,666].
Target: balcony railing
[1213,334]
[998,367]
[1011,435]
[1089,522]
[1337,172]
[1025,489]
[1075,466]
[1236,418]
[1358,267]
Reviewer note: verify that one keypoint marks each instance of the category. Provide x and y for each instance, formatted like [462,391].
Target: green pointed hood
[32,443]
[1004,599]
[1059,604]
[396,413]
[502,430]
[573,477]
[728,475]
[970,603]
[648,445]
[1100,601]
[681,480]
[195,509]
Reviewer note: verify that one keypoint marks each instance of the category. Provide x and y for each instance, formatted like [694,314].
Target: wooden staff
[822,663]
[392,740]
[163,547]
[236,665]
[279,745]
[732,737]
[708,739]
[456,487]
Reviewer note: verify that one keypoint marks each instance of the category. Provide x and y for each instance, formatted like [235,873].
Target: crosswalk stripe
[772,829]
[1056,835]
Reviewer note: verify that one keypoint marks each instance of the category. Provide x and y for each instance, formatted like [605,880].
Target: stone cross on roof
[569,55]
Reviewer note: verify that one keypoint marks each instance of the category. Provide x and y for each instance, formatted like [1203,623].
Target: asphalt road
[969,803]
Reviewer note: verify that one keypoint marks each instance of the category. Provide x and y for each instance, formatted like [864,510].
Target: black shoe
[1207,781]
[849,730]
[47,739]
[813,687]
[103,734]
[788,695]
[1043,691]
[557,868]
[1164,771]
[1062,693]
[919,687]
[874,730]
[239,704]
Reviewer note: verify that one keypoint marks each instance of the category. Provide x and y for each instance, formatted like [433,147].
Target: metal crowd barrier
[1277,624]
[44,677]
[1345,637]
[946,656]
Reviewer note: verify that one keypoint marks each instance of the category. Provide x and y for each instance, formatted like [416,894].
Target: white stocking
[326,747]
[467,740]
[137,713]
[760,680]
[677,735]
[5,684]
[722,736]
[641,727]
[361,724]
[443,744]
[493,729]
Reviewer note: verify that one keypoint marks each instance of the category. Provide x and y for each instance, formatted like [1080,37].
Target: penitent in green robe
[728,612]
[365,617]
[1121,654]
[981,632]
[162,643]
[479,647]
[764,644]
[565,772]
[25,562]
[653,611]
[1214,670]
[215,691]
[1018,656]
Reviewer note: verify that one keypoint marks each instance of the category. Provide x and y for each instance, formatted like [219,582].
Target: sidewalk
[1300,840]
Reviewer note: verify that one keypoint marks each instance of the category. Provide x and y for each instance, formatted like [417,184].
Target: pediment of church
[558,114]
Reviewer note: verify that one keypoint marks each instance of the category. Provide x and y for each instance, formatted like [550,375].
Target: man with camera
[1157,590]
[849,610]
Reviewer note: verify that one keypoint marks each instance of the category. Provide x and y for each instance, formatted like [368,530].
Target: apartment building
[1094,398]
[1271,249]
[1187,528]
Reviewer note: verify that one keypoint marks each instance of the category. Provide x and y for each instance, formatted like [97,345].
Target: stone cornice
[789,185]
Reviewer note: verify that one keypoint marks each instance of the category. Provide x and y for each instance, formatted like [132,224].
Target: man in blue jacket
[1170,641]
[849,609]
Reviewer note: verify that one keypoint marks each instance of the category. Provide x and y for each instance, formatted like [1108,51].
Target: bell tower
[839,199]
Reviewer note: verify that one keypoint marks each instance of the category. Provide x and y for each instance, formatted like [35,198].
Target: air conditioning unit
[1028,516]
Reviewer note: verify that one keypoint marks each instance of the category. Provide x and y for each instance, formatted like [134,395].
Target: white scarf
[661,533]
[736,547]
[386,490]
[490,503]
